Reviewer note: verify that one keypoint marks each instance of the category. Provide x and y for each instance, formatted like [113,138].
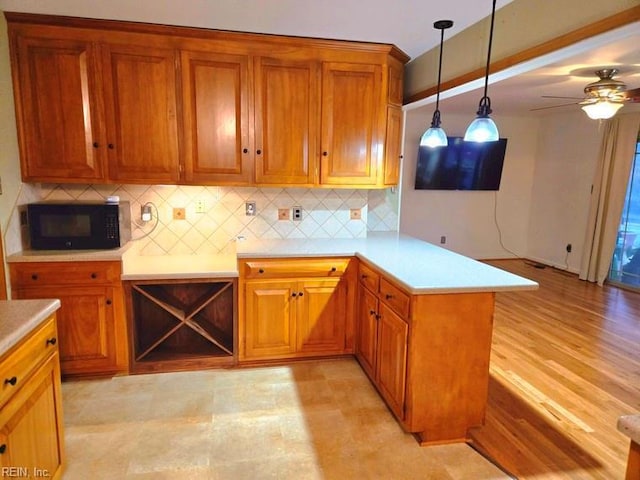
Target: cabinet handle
[34,276]
[388,296]
[3,448]
[372,312]
[12,381]
[245,150]
[51,341]
[111,146]
[293,294]
[324,154]
[258,151]
[96,144]
[108,301]
[94,275]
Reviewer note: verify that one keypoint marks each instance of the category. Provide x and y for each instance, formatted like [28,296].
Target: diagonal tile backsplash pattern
[326,214]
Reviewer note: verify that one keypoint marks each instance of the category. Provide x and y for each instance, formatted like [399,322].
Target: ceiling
[564,73]
[405,23]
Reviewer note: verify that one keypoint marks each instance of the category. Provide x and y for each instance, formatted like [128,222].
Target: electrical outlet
[283,214]
[178,214]
[297,214]
[443,239]
[569,248]
[355,214]
[250,209]
[201,206]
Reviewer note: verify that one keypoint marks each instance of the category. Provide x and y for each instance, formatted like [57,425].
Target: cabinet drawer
[298,267]
[64,273]
[369,277]
[395,298]
[16,367]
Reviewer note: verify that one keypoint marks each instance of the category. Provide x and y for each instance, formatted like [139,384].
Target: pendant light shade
[435,136]
[483,129]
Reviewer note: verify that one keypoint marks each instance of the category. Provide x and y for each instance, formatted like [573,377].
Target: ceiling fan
[604,97]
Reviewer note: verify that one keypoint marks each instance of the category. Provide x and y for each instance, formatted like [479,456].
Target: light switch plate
[355,214]
[283,214]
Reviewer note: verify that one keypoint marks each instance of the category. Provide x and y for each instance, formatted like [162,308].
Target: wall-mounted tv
[461,165]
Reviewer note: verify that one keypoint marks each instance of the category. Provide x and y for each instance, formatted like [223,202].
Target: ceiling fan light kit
[602,109]
[435,136]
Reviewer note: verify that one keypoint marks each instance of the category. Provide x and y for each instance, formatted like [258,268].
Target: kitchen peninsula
[417,317]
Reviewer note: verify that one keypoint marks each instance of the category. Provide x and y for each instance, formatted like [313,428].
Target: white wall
[568,148]
[467,218]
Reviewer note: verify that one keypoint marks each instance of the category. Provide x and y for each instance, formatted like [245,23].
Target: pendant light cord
[485,101]
[439,70]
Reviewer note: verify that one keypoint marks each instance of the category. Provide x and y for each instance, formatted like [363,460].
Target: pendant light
[483,129]
[435,135]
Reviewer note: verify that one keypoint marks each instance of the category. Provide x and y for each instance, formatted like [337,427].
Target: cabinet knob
[96,144]
[324,154]
[51,341]
[293,294]
[34,276]
[364,275]
[401,157]
[300,294]
[372,312]
[261,271]
[388,296]
[3,448]
[245,150]
[109,302]
[258,151]
[11,381]
[94,275]
[111,146]
[334,269]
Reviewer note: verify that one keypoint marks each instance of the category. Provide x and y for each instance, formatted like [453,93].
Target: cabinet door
[286,120]
[393,146]
[393,333]
[140,100]
[270,327]
[58,108]
[352,101]
[367,330]
[215,96]
[31,436]
[85,327]
[321,311]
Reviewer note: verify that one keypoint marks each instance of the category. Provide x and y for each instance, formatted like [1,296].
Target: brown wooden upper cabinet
[117,102]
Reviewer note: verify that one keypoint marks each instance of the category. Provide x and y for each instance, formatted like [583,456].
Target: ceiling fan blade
[553,106]
[632,95]
[569,98]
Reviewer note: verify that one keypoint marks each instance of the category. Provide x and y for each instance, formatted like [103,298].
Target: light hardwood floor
[565,364]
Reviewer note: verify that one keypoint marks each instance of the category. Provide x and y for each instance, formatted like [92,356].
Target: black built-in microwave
[78,225]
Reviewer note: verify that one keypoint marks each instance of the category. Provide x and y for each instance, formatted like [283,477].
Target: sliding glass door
[625,265]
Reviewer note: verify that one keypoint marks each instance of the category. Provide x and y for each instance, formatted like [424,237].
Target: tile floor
[310,420]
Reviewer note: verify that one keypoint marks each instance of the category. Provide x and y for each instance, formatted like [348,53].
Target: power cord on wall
[155,225]
[495,220]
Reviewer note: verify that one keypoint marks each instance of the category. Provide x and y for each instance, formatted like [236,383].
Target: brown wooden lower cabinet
[293,308]
[31,429]
[428,355]
[91,319]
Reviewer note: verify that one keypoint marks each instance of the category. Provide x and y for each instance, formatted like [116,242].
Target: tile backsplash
[325,214]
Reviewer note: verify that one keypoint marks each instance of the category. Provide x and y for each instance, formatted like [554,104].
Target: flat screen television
[461,165]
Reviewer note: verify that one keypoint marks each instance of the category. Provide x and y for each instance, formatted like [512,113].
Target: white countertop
[154,267]
[417,265]
[19,317]
[113,254]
